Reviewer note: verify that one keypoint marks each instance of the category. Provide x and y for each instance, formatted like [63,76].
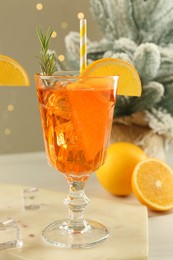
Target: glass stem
[76,201]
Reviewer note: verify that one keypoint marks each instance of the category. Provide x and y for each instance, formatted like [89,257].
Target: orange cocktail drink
[76,117]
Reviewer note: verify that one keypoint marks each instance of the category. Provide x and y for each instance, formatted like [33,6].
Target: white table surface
[31,169]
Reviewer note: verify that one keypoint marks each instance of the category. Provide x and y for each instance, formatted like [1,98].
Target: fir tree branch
[166,101]
[147,61]
[161,122]
[122,106]
[158,21]
[151,95]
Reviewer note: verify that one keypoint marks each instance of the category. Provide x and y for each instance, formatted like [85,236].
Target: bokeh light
[80,15]
[61,57]
[10,107]
[54,34]
[64,25]
[7,131]
[39,6]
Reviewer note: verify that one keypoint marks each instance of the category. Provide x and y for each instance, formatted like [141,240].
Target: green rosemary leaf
[47,61]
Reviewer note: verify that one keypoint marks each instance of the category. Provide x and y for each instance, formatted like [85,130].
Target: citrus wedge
[129,82]
[90,117]
[152,183]
[12,73]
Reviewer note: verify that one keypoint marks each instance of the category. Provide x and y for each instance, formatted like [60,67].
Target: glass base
[60,234]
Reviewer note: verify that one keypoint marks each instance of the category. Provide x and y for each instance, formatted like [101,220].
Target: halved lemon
[12,73]
[152,183]
[129,82]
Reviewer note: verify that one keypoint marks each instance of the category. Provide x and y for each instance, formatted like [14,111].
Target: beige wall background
[20,129]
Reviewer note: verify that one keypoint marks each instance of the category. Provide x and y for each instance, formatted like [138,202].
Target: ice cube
[61,140]
[65,133]
[59,105]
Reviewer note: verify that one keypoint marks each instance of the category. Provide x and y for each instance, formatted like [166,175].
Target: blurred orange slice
[152,183]
[129,82]
[12,73]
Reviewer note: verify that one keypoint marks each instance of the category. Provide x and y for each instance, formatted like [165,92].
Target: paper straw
[83,44]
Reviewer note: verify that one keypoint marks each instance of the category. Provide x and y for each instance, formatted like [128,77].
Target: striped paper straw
[83,44]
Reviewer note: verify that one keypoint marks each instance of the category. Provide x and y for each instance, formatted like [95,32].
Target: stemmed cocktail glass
[76,115]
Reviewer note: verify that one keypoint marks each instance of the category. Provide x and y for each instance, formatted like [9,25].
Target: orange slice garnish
[129,82]
[12,73]
[91,117]
[152,183]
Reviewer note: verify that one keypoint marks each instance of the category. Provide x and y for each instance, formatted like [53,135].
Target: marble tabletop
[31,169]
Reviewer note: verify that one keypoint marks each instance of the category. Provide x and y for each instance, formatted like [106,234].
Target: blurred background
[20,128]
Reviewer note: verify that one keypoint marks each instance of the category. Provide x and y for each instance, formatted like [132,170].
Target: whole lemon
[115,174]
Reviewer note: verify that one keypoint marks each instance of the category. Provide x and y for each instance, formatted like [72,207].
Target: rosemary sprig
[47,61]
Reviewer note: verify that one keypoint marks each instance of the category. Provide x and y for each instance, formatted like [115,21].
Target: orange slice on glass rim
[12,73]
[129,83]
[152,183]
